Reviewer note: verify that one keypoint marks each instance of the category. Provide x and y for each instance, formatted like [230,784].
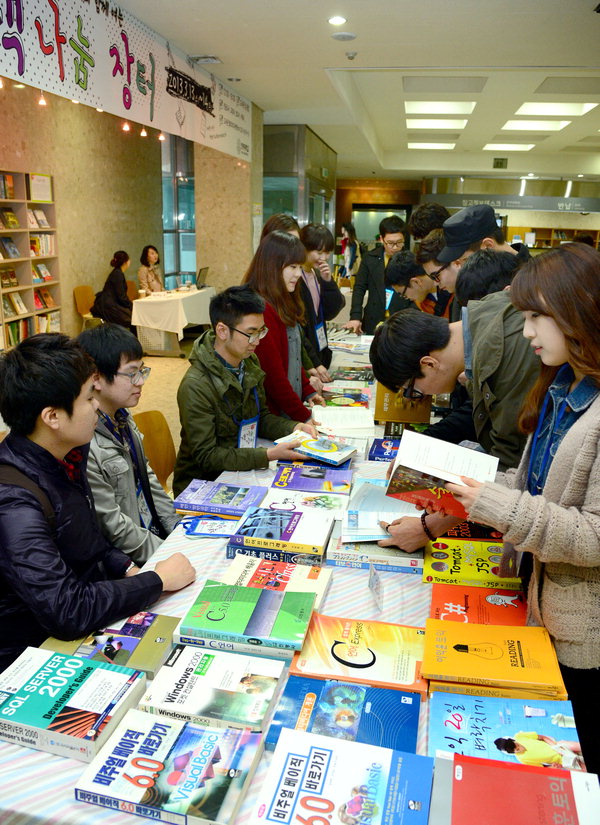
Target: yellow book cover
[488,690]
[374,653]
[462,561]
[497,655]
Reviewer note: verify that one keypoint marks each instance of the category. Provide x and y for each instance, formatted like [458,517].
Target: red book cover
[477,605]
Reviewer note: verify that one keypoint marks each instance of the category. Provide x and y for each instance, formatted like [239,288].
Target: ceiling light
[431,145]
[205,58]
[143,132]
[1,83]
[126,127]
[530,174]
[568,189]
[343,36]
[99,110]
[42,100]
[523,185]
[536,125]
[508,147]
[556,109]
[579,176]
[426,123]
[75,101]
[161,136]
[19,85]
[337,20]
[437,107]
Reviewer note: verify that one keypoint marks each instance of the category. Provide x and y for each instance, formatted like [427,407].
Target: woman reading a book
[112,303]
[550,505]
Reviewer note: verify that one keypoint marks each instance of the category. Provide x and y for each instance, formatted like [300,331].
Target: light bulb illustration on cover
[485,650]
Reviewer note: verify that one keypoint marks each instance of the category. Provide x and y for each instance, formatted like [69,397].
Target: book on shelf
[47,297]
[41,218]
[7,307]
[249,616]
[384,449]
[172,771]
[32,221]
[522,657]
[365,651]
[41,323]
[41,245]
[214,497]
[435,685]
[305,531]
[424,464]
[38,303]
[42,271]
[63,704]
[9,219]
[141,641]
[12,333]
[313,480]
[314,778]
[353,373]
[18,303]
[54,322]
[520,731]
[278,499]
[9,278]
[7,186]
[347,711]
[361,555]
[479,605]
[10,248]
[468,562]
[216,688]
[288,557]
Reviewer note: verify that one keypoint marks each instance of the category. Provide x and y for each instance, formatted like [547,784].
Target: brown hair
[431,246]
[564,284]
[280,222]
[265,275]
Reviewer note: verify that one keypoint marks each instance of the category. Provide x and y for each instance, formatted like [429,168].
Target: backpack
[10,475]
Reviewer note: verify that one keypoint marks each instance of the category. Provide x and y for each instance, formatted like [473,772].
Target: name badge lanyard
[320,328]
[536,435]
[247,427]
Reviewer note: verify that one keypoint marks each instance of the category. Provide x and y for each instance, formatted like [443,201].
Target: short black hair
[401,268]
[44,370]
[484,272]
[425,218]
[316,236]
[144,255]
[400,343]
[391,225]
[505,744]
[107,345]
[234,303]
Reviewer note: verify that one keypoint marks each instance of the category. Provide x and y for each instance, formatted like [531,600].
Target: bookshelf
[29,271]
[547,237]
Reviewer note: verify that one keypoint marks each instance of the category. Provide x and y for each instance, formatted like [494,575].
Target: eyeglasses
[409,391]
[137,377]
[252,337]
[394,244]
[435,276]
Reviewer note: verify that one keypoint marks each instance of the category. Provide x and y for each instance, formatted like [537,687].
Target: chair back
[84,298]
[132,290]
[158,443]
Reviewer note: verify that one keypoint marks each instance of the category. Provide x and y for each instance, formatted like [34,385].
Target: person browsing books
[221,399]
[59,576]
[134,512]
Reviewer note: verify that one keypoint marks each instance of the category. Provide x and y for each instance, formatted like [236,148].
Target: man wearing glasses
[371,278]
[134,512]
[222,404]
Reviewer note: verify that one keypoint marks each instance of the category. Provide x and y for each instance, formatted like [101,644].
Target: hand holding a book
[316,399]
[354,326]
[323,374]
[285,451]
[315,380]
[407,532]
[176,572]
[464,493]
[307,427]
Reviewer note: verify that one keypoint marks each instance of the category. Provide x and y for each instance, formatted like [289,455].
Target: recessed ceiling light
[579,176]
[431,145]
[343,36]
[438,107]
[426,123]
[161,137]
[530,174]
[337,20]
[126,127]
[99,110]
[536,125]
[556,109]
[75,101]
[143,132]
[19,85]
[508,147]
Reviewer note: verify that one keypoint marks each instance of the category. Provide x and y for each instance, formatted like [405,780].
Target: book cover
[521,657]
[354,373]
[245,571]
[521,793]
[141,641]
[7,307]
[32,220]
[18,303]
[384,449]
[211,687]
[278,499]
[365,651]
[172,771]
[209,526]
[280,653]
[10,247]
[9,218]
[471,531]
[9,278]
[316,779]
[291,557]
[63,704]
[250,615]
[440,806]
[479,605]
[288,530]
[525,732]
[37,301]
[344,421]
[44,272]
[489,690]
[473,563]
[313,480]
[309,462]
[47,297]
[41,218]
[347,398]
[326,449]
[213,497]
[343,710]
[361,555]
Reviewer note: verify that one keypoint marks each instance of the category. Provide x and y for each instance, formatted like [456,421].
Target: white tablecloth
[172,311]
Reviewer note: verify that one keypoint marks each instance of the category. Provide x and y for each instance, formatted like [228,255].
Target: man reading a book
[59,576]
[222,404]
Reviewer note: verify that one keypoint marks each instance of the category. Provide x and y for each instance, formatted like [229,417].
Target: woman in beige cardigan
[550,505]
[149,275]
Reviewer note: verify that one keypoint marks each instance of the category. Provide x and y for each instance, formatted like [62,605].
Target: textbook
[368,506]
[291,557]
[278,499]
[487,690]
[355,713]
[287,530]
[423,465]
[472,563]
[313,480]
[358,373]
[64,704]
[384,449]
[543,730]
[522,657]
[373,653]
[249,615]
[361,555]
[336,396]
[325,449]
[316,779]
[210,687]
[479,605]
[213,497]
[172,771]
[141,641]
[272,575]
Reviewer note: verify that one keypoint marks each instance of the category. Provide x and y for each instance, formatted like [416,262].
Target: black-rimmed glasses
[253,337]
[435,276]
[409,391]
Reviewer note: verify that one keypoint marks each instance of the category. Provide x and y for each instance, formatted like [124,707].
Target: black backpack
[10,475]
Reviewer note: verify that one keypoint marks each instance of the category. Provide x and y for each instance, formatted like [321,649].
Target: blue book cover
[384,449]
[527,731]
[222,499]
[359,713]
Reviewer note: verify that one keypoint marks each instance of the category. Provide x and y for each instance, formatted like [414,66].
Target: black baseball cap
[474,223]
[401,268]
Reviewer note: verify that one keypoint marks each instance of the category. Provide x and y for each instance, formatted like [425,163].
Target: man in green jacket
[222,405]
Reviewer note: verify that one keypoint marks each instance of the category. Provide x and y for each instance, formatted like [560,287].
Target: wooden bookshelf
[29,266]
[547,237]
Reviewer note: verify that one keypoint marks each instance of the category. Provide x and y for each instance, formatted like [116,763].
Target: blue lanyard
[536,435]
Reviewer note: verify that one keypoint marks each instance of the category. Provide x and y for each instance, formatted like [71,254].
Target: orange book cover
[478,605]
[497,655]
[374,653]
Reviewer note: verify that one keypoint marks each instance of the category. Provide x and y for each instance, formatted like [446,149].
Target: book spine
[486,690]
[233,647]
[276,544]
[195,718]
[60,744]
[199,508]
[274,555]
[548,690]
[114,803]
[242,638]
[378,565]
[499,584]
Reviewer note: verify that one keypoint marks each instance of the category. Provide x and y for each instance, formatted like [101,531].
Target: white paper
[338,419]
[444,460]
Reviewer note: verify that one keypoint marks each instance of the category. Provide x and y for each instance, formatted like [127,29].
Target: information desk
[161,318]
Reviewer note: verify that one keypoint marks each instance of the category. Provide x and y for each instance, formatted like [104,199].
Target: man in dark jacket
[58,575]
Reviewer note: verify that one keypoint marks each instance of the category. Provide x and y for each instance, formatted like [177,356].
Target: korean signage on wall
[535,202]
[94,52]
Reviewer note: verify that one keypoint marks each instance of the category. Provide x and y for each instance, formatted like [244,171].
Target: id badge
[389,294]
[248,433]
[143,509]
[321,336]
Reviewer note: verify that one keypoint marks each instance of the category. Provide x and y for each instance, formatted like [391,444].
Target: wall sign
[533,202]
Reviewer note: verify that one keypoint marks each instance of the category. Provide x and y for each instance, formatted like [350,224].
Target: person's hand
[133,571]
[316,399]
[323,374]
[465,495]
[354,326]
[462,379]
[307,427]
[176,572]
[285,452]
[316,383]
[406,533]
[324,270]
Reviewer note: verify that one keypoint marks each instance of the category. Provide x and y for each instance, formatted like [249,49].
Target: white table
[161,318]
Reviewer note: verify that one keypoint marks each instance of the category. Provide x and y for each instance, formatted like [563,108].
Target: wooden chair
[132,290]
[84,298]
[158,444]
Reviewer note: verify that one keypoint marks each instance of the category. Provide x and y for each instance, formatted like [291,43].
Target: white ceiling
[498,54]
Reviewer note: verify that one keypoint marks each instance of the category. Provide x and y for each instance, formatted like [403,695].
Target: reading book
[481,605]
[424,464]
[213,497]
[211,687]
[357,713]
[473,563]
[288,530]
[364,651]
[317,779]
[172,771]
[313,480]
[522,657]
[63,704]
[537,732]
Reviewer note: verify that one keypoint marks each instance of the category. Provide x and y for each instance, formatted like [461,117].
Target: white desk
[161,318]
